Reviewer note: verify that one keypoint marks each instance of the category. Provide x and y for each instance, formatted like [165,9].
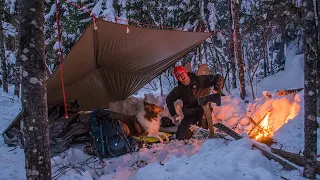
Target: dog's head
[152,109]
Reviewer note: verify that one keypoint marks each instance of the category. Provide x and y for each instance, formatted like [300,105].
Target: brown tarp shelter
[108,64]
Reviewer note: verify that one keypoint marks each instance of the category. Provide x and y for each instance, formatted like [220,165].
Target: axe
[204,103]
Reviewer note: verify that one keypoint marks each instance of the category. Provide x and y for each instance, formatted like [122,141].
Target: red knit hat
[178,70]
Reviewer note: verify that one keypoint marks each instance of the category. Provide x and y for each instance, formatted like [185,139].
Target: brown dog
[145,123]
[149,120]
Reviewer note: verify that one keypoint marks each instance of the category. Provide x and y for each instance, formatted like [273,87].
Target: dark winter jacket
[199,86]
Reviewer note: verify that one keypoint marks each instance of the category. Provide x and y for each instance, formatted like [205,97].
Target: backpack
[109,139]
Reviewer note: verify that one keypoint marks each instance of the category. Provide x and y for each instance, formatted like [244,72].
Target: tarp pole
[60,61]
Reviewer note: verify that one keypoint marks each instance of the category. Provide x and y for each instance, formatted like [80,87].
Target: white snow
[8,29]
[12,164]
[218,160]
[194,159]
[108,12]
[292,77]
[97,8]
[51,12]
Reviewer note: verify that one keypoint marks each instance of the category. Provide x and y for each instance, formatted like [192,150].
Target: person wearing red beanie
[181,75]
[190,87]
[179,69]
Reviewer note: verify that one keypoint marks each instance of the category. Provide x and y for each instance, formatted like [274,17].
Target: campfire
[262,131]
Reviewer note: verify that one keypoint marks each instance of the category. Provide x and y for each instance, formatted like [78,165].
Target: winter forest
[267,51]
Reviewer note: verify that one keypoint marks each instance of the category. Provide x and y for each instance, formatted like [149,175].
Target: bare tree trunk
[17,66]
[265,60]
[200,54]
[317,6]
[270,66]
[167,75]
[18,71]
[310,75]
[205,52]
[281,53]
[236,18]
[318,55]
[265,65]
[205,5]
[234,71]
[34,103]
[282,44]
[231,55]
[175,83]
[197,57]
[207,27]
[3,55]
[161,87]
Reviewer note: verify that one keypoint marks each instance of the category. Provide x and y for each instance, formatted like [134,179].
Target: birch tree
[310,75]
[34,102]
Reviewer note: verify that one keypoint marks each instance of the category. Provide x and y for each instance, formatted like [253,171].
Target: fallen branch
[228,131]
[267,154]
[295,158]
[270,156]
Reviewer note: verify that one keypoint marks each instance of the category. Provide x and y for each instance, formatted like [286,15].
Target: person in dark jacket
[190,87]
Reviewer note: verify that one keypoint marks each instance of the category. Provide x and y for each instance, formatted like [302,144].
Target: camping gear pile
[79,128]
[102,132]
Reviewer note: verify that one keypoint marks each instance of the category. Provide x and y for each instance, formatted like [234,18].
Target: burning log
[288,91]
[267,154]
[266,140]
[265,117]
[263,132]
[253,122]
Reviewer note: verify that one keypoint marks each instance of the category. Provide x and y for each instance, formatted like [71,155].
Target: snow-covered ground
[195,159]
[11,158]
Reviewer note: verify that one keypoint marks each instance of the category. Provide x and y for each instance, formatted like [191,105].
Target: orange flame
[265,121]
[264,129]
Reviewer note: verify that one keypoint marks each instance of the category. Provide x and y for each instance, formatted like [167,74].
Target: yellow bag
[150,139]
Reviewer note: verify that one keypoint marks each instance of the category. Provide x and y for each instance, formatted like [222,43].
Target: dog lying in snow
[149,119]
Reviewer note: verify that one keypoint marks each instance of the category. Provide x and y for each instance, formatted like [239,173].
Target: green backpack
[109,139]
